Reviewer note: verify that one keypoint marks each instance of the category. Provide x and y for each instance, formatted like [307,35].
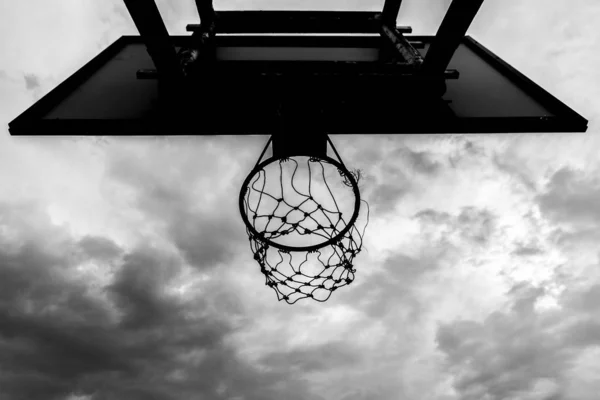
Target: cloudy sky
[125,272]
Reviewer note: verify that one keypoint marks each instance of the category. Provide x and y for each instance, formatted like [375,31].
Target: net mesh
[302,223]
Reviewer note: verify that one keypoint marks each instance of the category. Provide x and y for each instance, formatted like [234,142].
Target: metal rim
[334,240]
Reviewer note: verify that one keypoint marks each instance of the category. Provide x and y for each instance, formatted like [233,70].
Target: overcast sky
[125,271]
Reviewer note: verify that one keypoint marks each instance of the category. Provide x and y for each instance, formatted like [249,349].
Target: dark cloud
[321,358]
[136,290]
[205,240]
[99,248]
[32,82]
[500,358]
[205,236]
[50,327]
[62,334]
[380,393]
[524,350]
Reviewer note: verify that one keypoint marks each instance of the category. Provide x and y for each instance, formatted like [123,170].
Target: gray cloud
[571,198]
[501,357]
[380,393]
[476,225]
[99,248]
[49,325]
[523,351]
[472,224]
[321,358]
[432,216]
[470,149]
[527,250]
[421,162]
[137,342]
[392,289]
[515,168]
[136,290]
[205,238]
[32,82]
[394,172]
[387,196]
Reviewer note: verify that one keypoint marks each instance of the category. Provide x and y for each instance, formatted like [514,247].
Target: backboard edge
[552,103]
[52,98]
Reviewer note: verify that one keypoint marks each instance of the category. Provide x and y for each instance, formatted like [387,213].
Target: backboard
[109,97]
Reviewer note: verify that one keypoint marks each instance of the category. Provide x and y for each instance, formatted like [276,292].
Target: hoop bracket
[293,144]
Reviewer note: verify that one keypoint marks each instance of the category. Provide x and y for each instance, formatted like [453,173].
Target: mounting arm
[410,55]
[391,8]
[207,18]
[202,37]
[153,31]
[450,34]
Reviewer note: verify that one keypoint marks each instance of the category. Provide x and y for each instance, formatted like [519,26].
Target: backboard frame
[31,122]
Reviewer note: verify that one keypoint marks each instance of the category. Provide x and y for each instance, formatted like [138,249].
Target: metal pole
[205,11]
[450,34]
[391,8]
[153,31]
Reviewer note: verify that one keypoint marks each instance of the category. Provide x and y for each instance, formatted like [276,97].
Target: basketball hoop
[302,228]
